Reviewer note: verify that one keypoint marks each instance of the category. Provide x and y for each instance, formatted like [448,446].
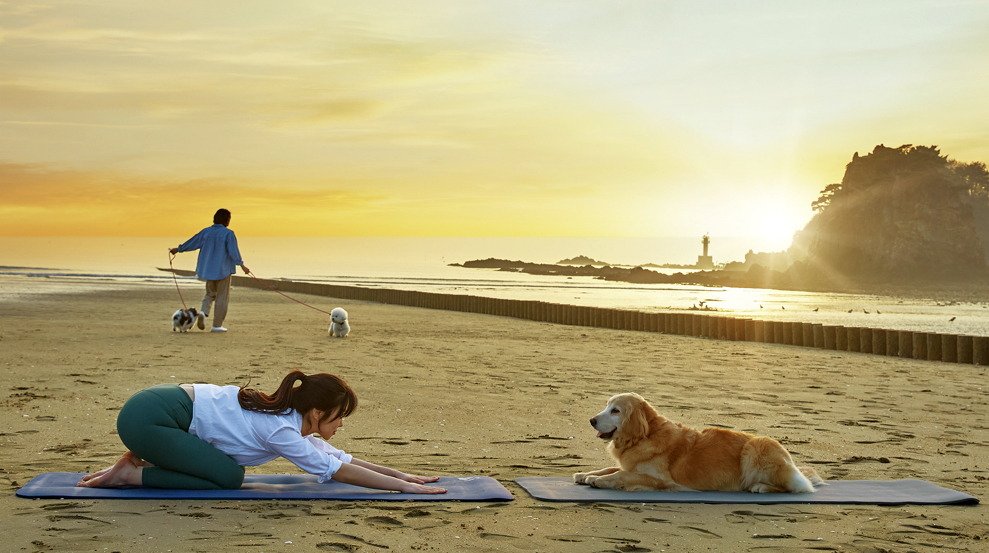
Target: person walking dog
[218,259]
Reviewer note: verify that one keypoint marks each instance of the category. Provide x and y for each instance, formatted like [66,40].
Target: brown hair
[323,391]
[221,217]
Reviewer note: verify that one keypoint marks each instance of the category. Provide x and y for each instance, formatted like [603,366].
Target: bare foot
[129,455]
[126,472]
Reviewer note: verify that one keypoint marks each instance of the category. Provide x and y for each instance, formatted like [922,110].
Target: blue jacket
[218,253]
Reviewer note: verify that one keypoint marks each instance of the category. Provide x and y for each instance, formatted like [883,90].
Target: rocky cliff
[899,215]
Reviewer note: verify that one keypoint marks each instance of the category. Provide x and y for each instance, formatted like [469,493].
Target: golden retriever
[655,453]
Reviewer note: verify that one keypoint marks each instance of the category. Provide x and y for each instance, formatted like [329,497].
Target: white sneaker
[201,321]
[218,329]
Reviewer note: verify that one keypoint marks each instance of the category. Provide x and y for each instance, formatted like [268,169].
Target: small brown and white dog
[339,326]
[655,453]
[183,319]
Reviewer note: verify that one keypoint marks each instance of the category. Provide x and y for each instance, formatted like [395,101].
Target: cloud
[40,200]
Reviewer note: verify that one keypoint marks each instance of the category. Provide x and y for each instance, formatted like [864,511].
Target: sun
[776,222]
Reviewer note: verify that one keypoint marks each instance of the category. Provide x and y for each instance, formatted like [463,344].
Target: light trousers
[218,292]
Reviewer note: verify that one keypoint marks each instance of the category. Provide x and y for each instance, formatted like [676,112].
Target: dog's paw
[593,481]
[579,477]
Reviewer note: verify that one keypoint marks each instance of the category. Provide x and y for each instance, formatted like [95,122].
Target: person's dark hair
[222,217]
[316,391]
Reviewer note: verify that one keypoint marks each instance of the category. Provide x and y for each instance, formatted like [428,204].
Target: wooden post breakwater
[948,348]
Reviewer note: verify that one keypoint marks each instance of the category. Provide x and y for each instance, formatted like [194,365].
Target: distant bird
[849,310]
[878,312]
[760,306]
[951,319]
[815,309]
[783,307]
[864,311]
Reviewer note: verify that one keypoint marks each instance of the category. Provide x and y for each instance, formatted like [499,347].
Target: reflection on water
[422,265]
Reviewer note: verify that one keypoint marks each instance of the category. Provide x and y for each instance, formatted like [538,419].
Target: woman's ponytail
[328,393]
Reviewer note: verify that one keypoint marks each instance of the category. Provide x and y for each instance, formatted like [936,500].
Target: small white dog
[338,323]
[183,319]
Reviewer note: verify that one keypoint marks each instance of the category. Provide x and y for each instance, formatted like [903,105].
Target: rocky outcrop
[899,215]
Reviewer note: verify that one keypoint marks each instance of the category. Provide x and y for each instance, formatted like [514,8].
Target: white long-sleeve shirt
[253,438]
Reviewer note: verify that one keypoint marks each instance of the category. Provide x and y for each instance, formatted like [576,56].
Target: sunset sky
[469,118]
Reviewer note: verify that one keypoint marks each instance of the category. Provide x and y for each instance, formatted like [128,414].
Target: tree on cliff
[898,214]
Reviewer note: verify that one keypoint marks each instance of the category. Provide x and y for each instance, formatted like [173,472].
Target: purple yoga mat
[60,485]
[841,492]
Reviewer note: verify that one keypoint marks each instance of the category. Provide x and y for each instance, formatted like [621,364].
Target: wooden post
[879,341]
[818,335]
[760,331]
[949,348]
[749,330]
[906,344]
[853,335]
[920,345]
[965,349]
[893,343]
[980,350]
[830,337]
[840,338]
[808,332]
[778,332]
[797,334]
[865,340]
[933,346]
[787,333]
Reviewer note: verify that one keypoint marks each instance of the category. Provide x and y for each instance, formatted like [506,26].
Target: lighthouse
[704,262]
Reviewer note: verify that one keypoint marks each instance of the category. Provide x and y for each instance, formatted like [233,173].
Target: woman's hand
[358,473]
[416,479]
[419,488]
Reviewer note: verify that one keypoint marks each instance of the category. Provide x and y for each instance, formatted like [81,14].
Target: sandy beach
[451,393]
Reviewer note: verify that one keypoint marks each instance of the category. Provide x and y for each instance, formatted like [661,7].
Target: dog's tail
[811,474]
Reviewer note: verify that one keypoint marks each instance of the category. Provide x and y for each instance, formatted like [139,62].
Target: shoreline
[455,393]
[970,291]
[931,346]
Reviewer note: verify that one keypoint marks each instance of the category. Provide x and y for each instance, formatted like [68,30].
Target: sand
[455,393]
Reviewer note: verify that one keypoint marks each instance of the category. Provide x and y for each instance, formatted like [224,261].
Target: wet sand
[453,393]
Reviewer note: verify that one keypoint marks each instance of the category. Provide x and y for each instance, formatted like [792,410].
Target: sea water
[45,265]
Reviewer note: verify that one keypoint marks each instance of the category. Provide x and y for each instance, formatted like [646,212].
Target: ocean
[43,265]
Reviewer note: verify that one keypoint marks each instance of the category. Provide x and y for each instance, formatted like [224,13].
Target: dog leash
[171,256]
[251,274]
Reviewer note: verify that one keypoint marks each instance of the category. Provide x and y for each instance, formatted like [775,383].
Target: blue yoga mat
[60,485]
[841,492]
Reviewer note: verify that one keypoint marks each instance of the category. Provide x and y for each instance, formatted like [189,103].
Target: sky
[469,118]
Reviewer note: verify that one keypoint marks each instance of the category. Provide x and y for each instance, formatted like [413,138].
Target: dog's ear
[635,425]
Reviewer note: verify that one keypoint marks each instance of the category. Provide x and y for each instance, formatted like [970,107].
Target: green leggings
[154,425]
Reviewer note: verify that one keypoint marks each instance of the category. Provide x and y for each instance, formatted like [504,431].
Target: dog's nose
[594,422]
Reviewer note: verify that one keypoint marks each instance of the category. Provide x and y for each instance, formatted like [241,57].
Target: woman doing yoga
[201,436]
